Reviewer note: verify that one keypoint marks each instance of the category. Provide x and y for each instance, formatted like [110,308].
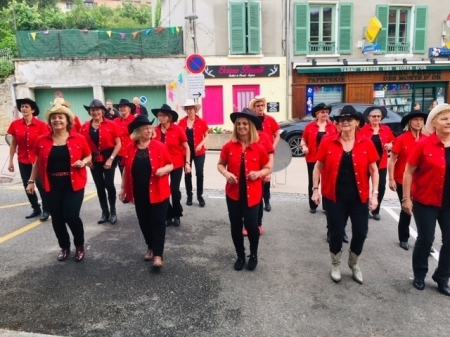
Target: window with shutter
[254,28]
[244,27]
[345,28]
[237,28]
[301,24]
[383,16]
[420,29]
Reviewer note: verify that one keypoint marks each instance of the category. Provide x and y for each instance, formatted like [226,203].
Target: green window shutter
[254,27]
[301,26]
[345,28]
[383,16]
[237,28]
[420,29]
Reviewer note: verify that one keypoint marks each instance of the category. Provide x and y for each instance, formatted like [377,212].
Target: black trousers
[25,173]
[404,219]
[242,215]
[199,162]
[175,209]
[425,217]
[65,205]
[118,159]
[381,189]
[152,218]
[337,214]
[310,166]
[104,180]
[266,191]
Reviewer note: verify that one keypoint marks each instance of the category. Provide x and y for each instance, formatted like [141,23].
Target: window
[404,29]
[69,5]
[244,28]
[242,95]
[316,32]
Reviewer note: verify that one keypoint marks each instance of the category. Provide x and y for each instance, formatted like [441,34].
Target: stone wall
[6,105]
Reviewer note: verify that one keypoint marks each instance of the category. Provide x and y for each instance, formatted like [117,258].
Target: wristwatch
[30,181]
[112,157]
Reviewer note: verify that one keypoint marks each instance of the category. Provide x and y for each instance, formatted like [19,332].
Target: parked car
[291,130]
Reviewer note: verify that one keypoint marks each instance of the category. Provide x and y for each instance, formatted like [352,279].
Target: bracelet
[376,192]
[188,163]
[405,199]
[315,188]
[30,182]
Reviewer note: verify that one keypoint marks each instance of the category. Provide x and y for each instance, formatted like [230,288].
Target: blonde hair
[408,125]
[137,133]
[254,137]
[440,112]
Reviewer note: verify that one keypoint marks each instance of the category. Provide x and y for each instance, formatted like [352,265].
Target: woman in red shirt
[413,124]
[145,181]
[426,193]
[176,141]
[197,133]
[345,162]
[104,141]
[244,162]
[127,111]
[61,159]
[383,138]
[25,132]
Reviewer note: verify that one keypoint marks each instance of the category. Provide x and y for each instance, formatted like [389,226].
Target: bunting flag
[122,35]
[46,32]
[33,35]
[159,30]
[109,33]
[178,29]
[172,29]
[174,85]
[135,34]
[147,31]
[171,95]
[85,31]
[180,78]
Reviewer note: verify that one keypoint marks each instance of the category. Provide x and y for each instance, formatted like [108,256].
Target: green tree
[158,13]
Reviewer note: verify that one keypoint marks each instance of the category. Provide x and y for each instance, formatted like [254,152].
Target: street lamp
[192,17]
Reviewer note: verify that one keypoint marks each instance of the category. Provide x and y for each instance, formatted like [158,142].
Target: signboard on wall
[439,52]
[273,106]
[242,71]
[372,30]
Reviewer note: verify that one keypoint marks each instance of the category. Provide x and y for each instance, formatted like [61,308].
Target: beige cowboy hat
[59,109]
[255,99]
[436,110]
[190,102]
[61,101]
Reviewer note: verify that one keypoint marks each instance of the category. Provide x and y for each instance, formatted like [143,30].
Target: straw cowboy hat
[249,114]
[61,101]
[126,102]
[139,121]
[318,107]
[29,101]
[190,102]
[436,110]
[350,112]
[411,115]
[252,103]
[59,109]
[95,104]
[166,109]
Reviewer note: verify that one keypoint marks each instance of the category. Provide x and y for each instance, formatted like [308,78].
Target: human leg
[199,162]
[25,173]
[97,176]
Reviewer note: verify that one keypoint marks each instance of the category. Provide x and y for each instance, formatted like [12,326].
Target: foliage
[158,13]
[218,131]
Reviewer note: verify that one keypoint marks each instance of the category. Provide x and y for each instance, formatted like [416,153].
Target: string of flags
[173,86]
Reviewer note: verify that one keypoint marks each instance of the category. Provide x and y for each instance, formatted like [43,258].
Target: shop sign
[439,52]
[372,30]
[273,107]
[430,75]
[352,69]
[371,49]
[242,71]
[326,78]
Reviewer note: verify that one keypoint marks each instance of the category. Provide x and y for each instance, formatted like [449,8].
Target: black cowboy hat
[166,109]
[350,112]
[320,106]
[139,121]
[126,102]
[29,101]
[249,114]
[413,114]
[95,104]
[375,107]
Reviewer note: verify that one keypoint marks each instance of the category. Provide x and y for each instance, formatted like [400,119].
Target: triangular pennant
[171,95]
[135,34]
[172,29]
[33,35]
[178,29]
[122,35]
[109,33]
[159,30]
[45,32]
[180,78]
[147,31]
[174,85]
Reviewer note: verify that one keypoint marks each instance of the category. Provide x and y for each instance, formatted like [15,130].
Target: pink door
[212,105]
[242,95]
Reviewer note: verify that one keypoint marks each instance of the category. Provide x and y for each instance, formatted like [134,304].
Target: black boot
[105,211]
[112,206]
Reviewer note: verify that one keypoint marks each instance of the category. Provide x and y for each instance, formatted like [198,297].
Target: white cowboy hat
[437,109]
[251,105]
[190,102]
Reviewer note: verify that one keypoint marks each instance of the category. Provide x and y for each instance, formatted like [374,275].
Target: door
[212,105]
[242,95]
[426,93]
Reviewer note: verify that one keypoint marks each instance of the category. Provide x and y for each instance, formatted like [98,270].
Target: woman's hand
[305,149]
[122,194]
[79,164]
[30,188]
[316,197]
[393,185]
[161,172]
[231,178]
[373,201]
[407,206]
[198,148]
[108,164]
[253,175]
[388,146]
[11,166]
[187,168]
[267,178]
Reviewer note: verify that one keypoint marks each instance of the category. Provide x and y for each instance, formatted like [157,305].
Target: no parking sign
[195,63]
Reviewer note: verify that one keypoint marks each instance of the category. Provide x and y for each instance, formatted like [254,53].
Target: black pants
[104,181]
[25,173]
[266,191]
[425,217]
[175,209]
[240,214]
[381,189]
[312,204]
[118,159]
[199,162]
[152,218]
[404,220]
[337,214]
[65,205]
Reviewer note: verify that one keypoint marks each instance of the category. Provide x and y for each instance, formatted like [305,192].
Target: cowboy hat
[432,114]
[255,99]
[126,102]
[139,121]
[411,115]
[375,107]
[95,104]
[350,112]
[166,109]
[318,107]
[250,115]
[190,102]
[61,101]
[29,101]
[59,109]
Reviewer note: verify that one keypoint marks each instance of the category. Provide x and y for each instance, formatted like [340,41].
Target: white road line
[412,232]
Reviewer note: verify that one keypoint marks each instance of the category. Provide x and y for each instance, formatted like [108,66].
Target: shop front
[395,86]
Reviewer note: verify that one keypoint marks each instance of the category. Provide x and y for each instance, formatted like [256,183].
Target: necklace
[61,141]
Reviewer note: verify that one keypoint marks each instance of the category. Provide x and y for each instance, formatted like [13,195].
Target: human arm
[202,143]
[391,167]
[123,193]
[375,177]
[187,151]
[221,167]
[12,151]
[316,178]
[117,147]
[164,170]
[407,181]
[34,174]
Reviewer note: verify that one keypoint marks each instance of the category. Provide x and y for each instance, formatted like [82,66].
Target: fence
[6,63]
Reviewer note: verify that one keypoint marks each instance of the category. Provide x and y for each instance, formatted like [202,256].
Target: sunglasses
[259,105]
[345,119]
[375,116]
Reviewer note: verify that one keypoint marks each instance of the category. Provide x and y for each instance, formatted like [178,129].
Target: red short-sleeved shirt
[78,150]
[122,128]
[403,145]
[310,138]
[255,158]
[386,136]
[266,142]
[107,134]
[428,155]
[159,188]
[26,136]
[270,126]
[330,154]
[200,128]
[76,124]
[175,137]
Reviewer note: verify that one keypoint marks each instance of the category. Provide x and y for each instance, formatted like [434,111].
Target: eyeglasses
[345,119]
[190,108]
[375,116]
[259,105]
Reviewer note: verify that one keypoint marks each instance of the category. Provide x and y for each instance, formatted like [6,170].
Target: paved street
[115,293]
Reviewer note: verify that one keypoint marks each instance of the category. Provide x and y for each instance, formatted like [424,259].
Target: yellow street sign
[372,30]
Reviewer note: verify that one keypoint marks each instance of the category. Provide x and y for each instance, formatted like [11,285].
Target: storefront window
[440,95]
[397,96]
[322,94]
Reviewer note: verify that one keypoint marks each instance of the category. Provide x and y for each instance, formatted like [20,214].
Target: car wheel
[294,144]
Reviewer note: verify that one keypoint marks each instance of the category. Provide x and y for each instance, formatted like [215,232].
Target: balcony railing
[393,48]
[317,48]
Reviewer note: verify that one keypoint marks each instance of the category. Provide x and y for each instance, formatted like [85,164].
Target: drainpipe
[288,55]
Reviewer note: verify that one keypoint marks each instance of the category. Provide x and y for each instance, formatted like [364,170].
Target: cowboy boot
[353,264]
[105,211]
[112,206]
[336,266]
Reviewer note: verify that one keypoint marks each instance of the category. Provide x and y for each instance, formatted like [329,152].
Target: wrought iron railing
[322,48]
[398,47]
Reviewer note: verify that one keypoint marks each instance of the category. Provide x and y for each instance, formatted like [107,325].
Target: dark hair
[69,122]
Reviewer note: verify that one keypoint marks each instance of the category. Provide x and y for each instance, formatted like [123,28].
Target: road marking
[411,230]
[35,224]
[16,205]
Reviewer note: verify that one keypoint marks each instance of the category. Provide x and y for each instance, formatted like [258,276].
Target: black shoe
[419,283]
[44,216]
[432,250]
[189,201]
[176,221]
[312,210]
[168,223]
[443,288]
[404,245]
[267,207]
[113,219]
[376,216]
[345,238]
[201,201]
[104,218]
[239,264]
[328,236]
[125,201]
[252,262]
[35,213]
